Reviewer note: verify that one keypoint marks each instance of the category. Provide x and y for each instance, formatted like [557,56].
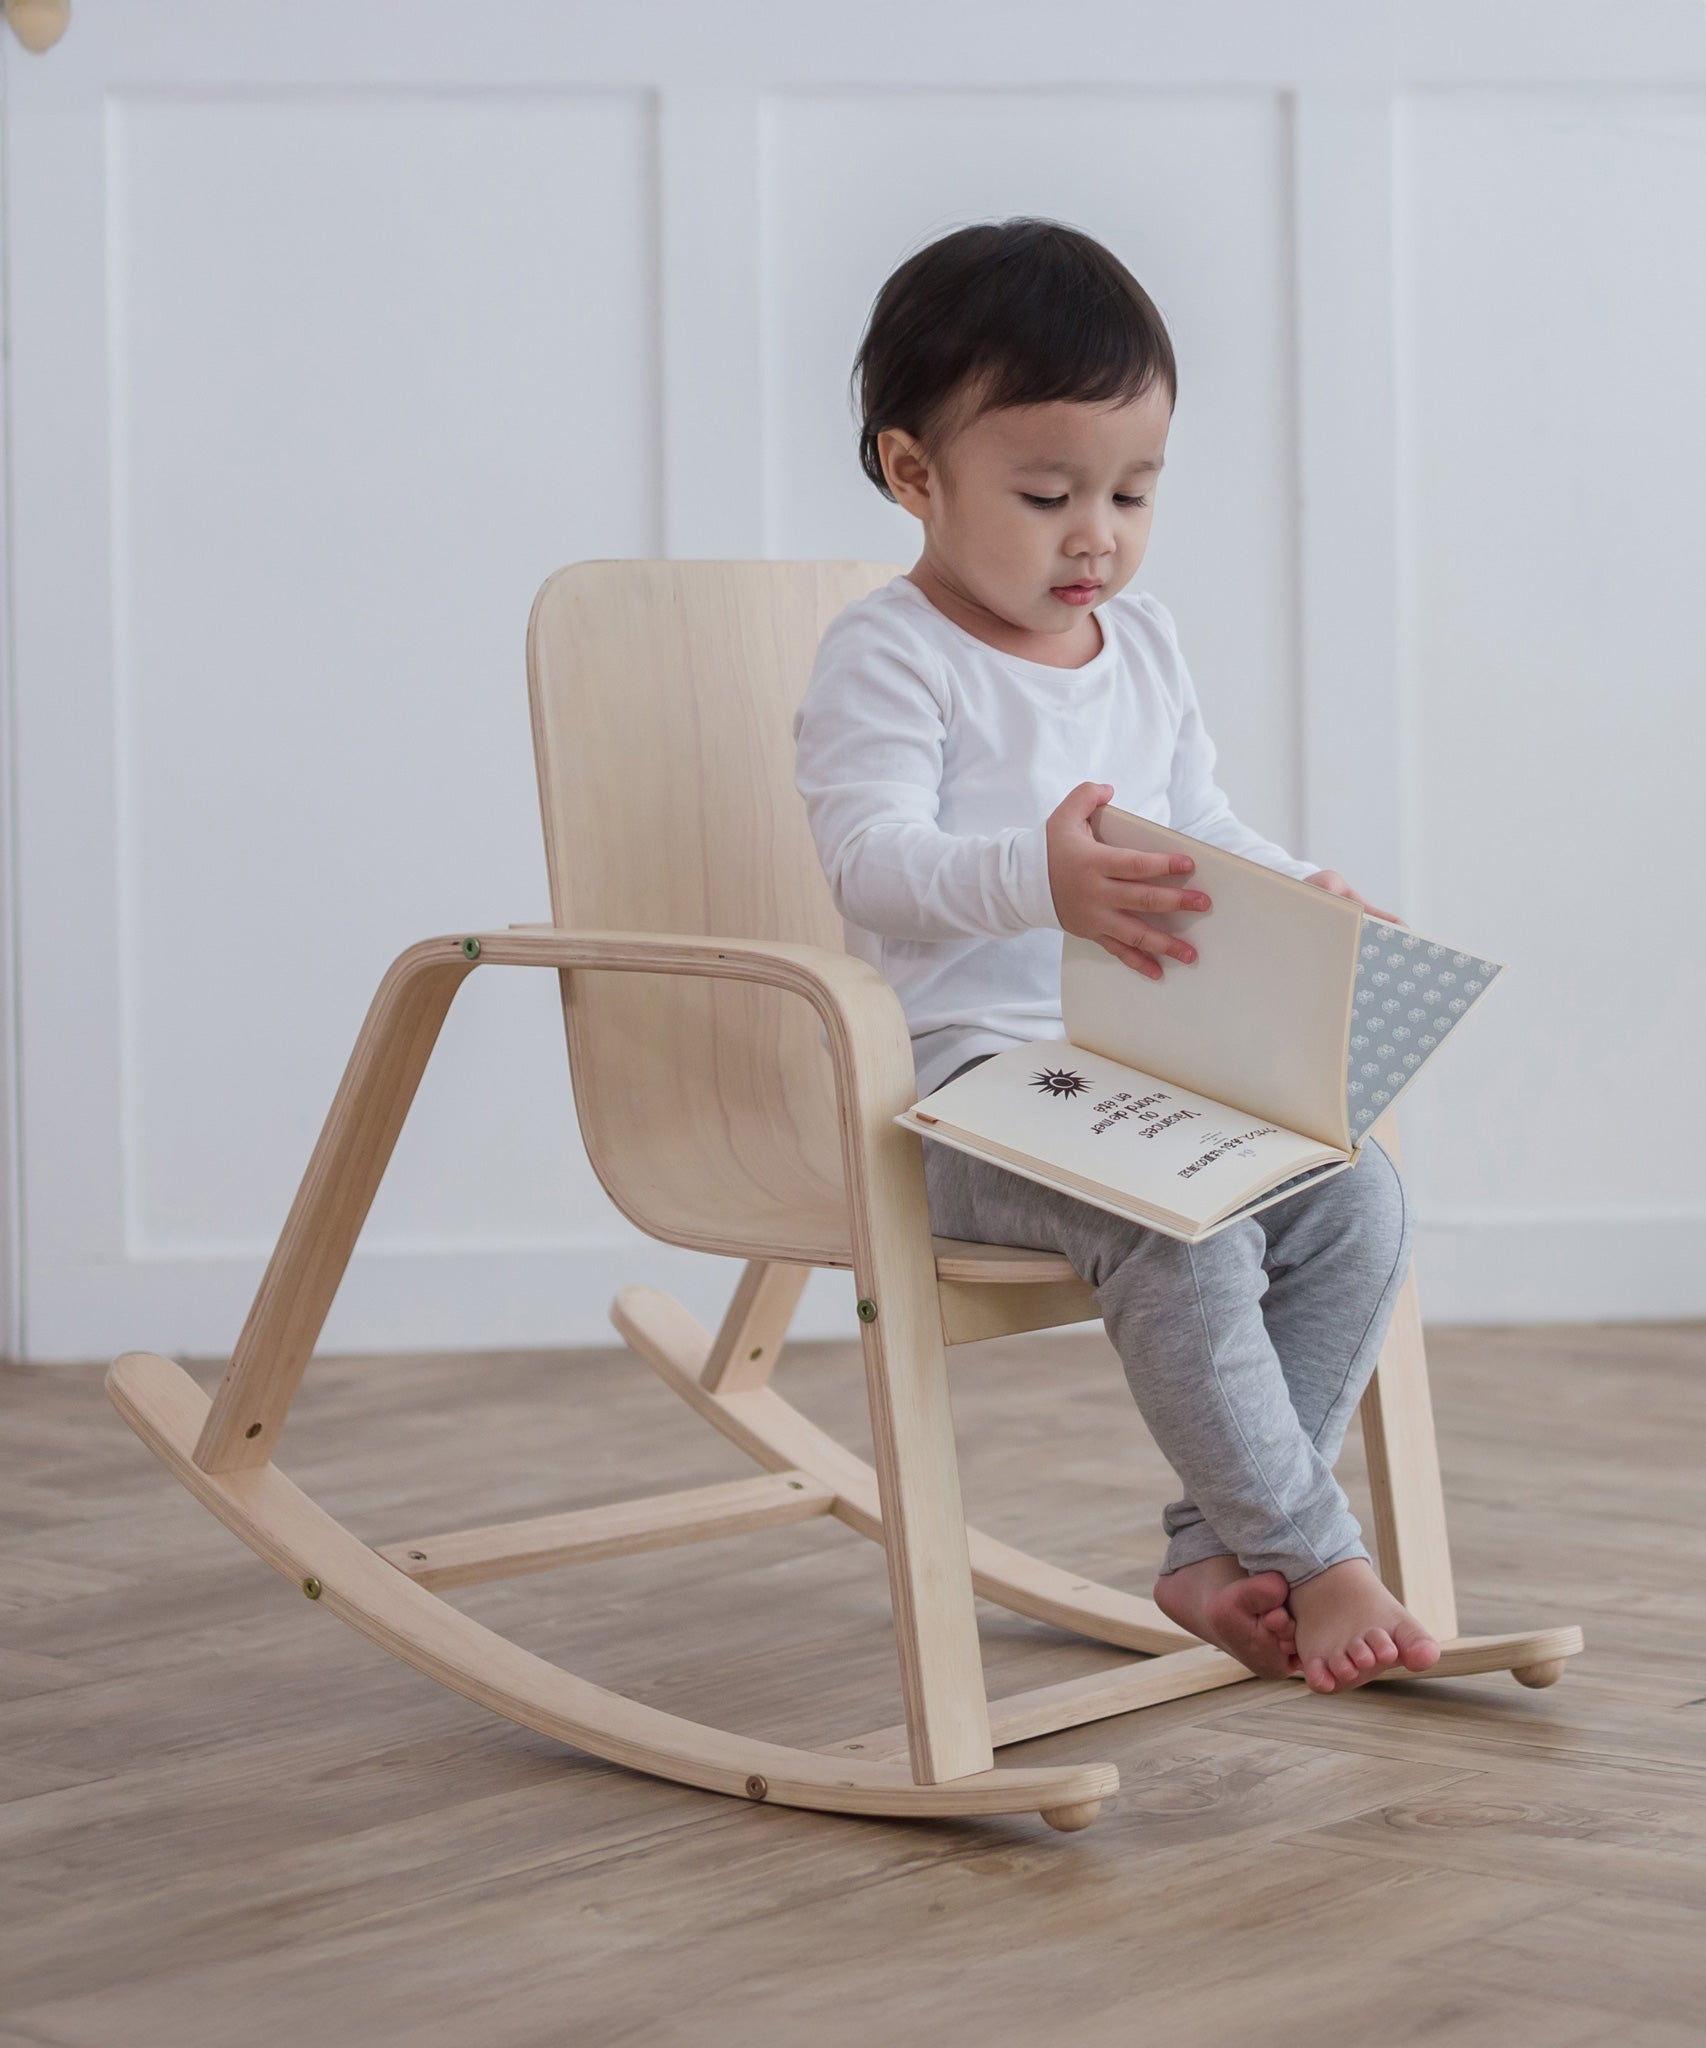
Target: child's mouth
[1075,593]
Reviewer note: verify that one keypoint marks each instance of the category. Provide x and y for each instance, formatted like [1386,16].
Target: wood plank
[466,1557]
[34,1578]
[1623,1959]
[1519,1820]
[23,1672]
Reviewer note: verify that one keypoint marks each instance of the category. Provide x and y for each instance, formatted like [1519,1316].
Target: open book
[1188,1102]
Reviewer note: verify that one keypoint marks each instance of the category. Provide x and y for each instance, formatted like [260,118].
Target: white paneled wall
[333,330]
[1553,433]
[351,437]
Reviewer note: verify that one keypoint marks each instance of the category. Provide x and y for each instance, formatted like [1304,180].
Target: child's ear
[905,467]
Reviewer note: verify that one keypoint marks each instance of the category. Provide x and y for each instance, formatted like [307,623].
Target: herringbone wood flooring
[226,1819]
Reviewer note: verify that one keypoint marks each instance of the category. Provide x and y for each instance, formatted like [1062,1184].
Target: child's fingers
[1080,805]
[1127,864]
[1148,968]
[1157,896]
[1133,931]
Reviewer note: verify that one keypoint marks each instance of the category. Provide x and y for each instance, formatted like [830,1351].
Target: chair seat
[999,1264]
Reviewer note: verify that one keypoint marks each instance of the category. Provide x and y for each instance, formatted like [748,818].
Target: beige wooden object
[38,24]
[736,1074]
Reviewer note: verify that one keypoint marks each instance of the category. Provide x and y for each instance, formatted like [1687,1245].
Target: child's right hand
[1099,890]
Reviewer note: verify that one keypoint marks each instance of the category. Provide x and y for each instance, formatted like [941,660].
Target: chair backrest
[663,696]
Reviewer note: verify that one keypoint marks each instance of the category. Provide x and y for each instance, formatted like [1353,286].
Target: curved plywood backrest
[663,696]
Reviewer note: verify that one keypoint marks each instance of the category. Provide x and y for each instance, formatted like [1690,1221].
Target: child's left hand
[1335,885]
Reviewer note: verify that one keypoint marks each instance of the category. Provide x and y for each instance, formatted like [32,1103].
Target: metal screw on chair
[756,1787]
[253,1431]
[471,948]
[867,1309]
[312,1588]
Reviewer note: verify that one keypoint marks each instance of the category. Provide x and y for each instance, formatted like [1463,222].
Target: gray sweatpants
[1246,1354]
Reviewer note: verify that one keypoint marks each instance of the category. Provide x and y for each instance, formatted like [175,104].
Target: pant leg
[1187,1323]
[1336,1255]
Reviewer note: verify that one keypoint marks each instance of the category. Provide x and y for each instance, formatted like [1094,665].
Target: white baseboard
[1489,1269]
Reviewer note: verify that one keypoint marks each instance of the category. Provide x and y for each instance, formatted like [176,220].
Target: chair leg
[349,1160]
[1404,1476]
[918,1486]
[1397,1418]
[743,1354]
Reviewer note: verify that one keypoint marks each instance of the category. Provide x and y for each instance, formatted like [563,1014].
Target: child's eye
[1053,504]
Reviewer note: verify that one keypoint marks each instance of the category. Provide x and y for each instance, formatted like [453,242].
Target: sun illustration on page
[1060,1081]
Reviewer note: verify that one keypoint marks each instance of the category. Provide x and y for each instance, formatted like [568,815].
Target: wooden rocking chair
[697,954]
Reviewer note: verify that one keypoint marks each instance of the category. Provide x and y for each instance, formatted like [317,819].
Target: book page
[1261,1019]
[1410,992]
[1128,1206]
[1097,1123]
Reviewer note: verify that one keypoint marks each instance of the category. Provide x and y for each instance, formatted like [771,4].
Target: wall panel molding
[1347,483]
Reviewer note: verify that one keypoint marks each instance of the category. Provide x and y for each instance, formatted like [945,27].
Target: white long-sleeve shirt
[929,763]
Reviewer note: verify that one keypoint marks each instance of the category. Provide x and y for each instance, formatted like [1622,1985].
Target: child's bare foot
[1239,1612]
[1350,1628]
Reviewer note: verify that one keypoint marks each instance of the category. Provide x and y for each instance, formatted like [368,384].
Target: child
[962,724]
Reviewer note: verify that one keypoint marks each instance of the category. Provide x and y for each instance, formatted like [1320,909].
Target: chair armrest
[835,983]
[869,1043]
[870,1046]
[846,992]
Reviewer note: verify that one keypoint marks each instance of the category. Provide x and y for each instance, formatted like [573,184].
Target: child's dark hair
[1032,310]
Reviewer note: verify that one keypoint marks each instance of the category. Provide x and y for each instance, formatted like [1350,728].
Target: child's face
[1034,499]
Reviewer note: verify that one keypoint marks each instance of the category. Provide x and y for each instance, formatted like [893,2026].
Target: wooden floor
[228,1820]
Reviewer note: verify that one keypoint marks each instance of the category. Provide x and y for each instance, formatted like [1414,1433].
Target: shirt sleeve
[869,737]
[1196,802]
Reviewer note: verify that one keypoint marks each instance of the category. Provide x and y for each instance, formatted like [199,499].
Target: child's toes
[1384,1648]
[1317,1676]
[1342,1667]
[1360,1654]
[1416,1647]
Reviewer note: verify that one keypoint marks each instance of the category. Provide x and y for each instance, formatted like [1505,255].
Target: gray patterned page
[1410,993]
